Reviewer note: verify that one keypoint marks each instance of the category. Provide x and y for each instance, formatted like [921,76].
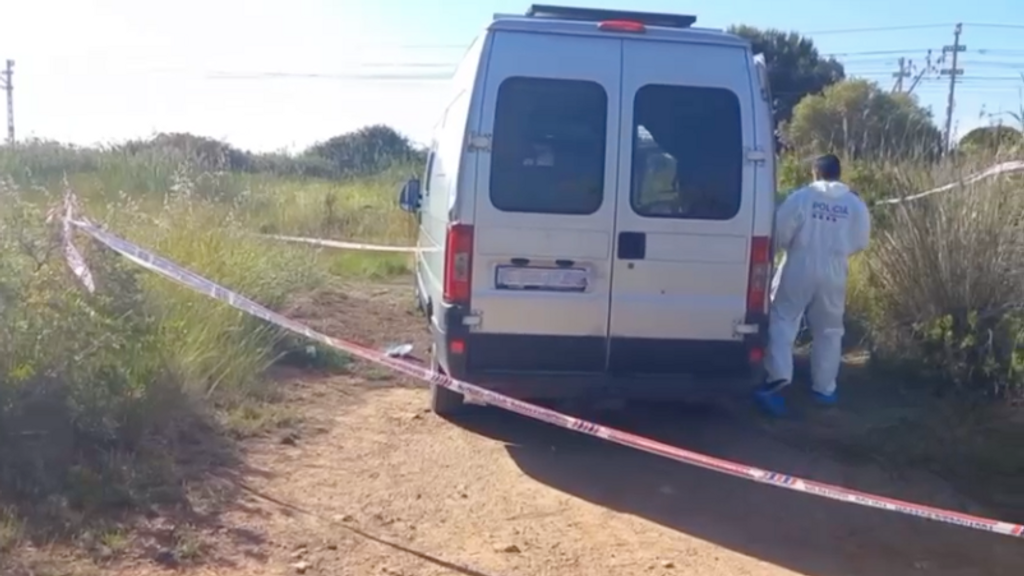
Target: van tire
[443,401]
[421,306]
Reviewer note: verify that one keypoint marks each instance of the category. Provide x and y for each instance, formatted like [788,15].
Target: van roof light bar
[600,15]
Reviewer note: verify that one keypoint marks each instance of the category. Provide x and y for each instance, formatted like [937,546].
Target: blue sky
[107,70]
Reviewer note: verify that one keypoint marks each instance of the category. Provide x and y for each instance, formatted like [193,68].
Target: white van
[597,209]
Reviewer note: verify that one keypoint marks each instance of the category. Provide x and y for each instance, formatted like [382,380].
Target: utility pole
[8,86]
[899,76]
[927,68]
[953,72]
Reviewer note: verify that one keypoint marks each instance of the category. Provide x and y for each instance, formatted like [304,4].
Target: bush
[367,152]
[90,382]
[872,180]
[945,279]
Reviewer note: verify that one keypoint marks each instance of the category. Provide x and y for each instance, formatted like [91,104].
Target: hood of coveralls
[829,188]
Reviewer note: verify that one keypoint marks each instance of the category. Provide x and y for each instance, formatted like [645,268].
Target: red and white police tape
[191,280]
[346,245]
[1002,169]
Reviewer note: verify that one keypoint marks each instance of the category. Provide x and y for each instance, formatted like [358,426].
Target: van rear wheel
[443,401]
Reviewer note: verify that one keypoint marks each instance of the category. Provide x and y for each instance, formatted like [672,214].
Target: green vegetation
[99,391]
[795,68]
[939,290]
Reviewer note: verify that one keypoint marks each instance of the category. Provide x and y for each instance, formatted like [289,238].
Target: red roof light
[622,26]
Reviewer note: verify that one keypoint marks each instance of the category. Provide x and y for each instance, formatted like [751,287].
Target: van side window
[687,153]
[548,146]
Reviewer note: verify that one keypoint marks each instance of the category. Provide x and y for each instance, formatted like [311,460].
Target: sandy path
[375,484]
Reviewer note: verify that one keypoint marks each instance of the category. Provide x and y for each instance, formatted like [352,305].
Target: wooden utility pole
[953,72]
[8,86]
[899,76]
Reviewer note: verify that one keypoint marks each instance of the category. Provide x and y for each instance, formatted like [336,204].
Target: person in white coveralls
[819,226]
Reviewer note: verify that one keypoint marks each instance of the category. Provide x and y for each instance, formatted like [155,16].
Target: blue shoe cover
[770,402]
[826,399]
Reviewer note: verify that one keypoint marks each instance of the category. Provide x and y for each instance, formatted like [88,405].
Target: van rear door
[685,209]
[545,203]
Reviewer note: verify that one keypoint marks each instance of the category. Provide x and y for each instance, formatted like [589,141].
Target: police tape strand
[202,285]
[345,245]
[1005,168]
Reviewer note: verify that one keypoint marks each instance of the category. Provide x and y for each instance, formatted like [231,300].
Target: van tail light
[458,263]
[622,26]
[760,270]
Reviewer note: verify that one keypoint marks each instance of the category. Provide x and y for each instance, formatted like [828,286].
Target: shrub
[90,382]
[946,277]
[367,151]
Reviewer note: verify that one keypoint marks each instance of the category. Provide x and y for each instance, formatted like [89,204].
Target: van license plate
[538,278]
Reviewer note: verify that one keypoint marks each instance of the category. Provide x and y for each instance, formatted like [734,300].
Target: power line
[877,29]
[912,27]
[875,52]
[994,25]
[337,76]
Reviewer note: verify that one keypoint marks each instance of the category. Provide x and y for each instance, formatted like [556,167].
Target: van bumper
[541,368]
[668,388]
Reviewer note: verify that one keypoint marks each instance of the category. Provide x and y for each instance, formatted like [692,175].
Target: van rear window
[687,153]
[548,146]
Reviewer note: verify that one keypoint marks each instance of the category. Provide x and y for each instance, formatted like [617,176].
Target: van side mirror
[409,197]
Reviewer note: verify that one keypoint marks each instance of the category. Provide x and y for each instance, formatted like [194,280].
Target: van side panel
[686,208]
[441,183]
[545,200]
[765,173]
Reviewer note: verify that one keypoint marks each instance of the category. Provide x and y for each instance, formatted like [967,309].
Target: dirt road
[372,483]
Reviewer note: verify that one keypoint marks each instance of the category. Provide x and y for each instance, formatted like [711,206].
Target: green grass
[359,211]
[100,392]
[10,530]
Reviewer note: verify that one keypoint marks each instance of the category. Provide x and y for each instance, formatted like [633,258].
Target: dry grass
[101,395]
[109,400]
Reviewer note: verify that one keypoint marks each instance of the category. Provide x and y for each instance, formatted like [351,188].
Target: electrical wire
[343,76]
[877,29]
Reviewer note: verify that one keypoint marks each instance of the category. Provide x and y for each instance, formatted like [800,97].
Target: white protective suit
[819,227]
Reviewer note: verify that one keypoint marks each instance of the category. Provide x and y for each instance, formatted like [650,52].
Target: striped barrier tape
[172,271]
[1004,168]
[347,245]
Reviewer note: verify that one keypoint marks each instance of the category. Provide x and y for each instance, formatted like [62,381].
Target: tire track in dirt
[378,485]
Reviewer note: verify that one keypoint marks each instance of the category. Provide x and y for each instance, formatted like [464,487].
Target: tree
[366,151]
[795,68]
[859,120]
[990,139]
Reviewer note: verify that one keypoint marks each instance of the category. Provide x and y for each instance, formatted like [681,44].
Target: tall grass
[90,383]
[363,210]
[947,275]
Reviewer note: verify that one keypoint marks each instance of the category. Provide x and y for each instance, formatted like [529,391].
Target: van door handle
[564,263]
[632,246]
[520,261]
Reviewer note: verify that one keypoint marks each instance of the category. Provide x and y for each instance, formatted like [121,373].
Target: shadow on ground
[157,501]
[803,533]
